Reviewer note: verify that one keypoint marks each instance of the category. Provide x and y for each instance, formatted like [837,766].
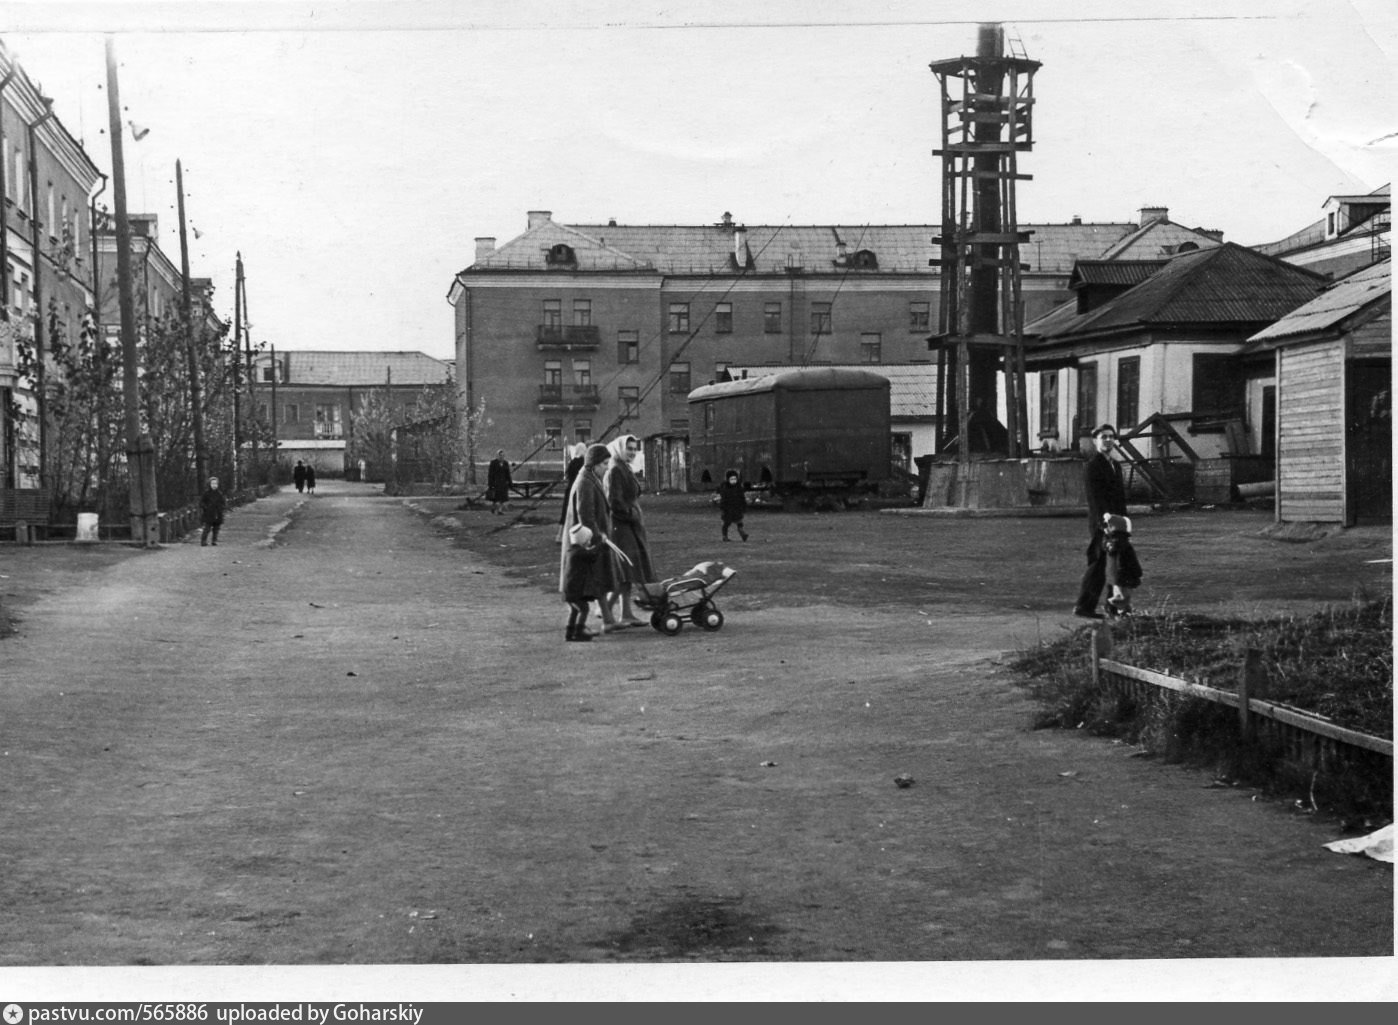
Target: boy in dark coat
[732,504]
[211,507]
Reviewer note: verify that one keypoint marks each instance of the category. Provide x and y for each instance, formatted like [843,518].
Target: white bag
[580,535]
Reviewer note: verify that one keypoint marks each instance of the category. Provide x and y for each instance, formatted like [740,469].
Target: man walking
[211,507]
[1105,494]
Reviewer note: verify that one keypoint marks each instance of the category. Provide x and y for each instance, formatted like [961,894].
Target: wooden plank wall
[1311,432]
[1373,339]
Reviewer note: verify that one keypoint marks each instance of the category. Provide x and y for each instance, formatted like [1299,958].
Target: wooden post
[1252,683]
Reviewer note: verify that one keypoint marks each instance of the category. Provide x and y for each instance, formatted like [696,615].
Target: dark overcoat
[628,524]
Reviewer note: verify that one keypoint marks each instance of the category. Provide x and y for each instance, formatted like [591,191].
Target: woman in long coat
[628,523]
[497,482]
[586,570]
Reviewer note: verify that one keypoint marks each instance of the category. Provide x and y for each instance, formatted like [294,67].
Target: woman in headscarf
[586,565]
[628,525]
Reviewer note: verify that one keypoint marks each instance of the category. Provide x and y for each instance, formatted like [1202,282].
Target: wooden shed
[1334,369]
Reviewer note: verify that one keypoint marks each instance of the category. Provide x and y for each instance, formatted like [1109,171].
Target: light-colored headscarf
[618,446]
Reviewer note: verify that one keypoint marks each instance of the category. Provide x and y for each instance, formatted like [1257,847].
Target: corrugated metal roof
[1112,272]
[1217,287]
[912,386]
[1340,301]
[709,249]
[361,369]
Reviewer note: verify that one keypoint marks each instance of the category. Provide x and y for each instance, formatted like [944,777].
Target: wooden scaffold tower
[987,121]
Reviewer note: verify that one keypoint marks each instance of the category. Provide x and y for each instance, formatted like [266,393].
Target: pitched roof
[1156,239]
[912,386]
[1343,299]
[1112,272]
[361,369]
[1226,285]
[709,249]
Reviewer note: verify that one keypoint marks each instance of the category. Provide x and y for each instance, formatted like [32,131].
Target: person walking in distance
[497,482]
[1106,496]
[628,527]
[298,476]
[732,504]
[211,509]
[310,478]
[586,564]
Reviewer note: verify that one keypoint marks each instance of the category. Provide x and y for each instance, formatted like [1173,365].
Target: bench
[24,514]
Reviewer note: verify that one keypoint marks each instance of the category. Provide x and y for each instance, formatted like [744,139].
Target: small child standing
[732,503]
[1123,570]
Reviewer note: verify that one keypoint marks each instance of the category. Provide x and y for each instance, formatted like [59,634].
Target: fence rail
[1249,706]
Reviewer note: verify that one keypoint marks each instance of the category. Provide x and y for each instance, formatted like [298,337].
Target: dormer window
[864,259]
[561,255]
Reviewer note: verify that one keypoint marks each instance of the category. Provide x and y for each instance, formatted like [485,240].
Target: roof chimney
[740,246]
[727,222]
[144,225]
[485,245]
[537,218]
[1077,219]
[1153,213]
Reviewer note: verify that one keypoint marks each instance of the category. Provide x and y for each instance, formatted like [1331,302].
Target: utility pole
[201,467]
[238,373]
[272,407]
[252,375]
[140,450]
[35,226]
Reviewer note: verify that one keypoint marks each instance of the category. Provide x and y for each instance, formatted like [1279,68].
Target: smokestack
[990,40]
[485,245]
[538,218]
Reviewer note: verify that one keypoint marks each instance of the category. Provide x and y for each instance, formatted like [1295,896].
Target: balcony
[571,336]
[565,397]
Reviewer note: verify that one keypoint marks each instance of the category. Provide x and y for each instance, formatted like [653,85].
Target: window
[679,378]
[679,318]
[553,371]
[328,420]
[269,372]
[629,399]
[582,431]
[772,319]
[720,370]
[582,312]
[870,348]
[1048,404]
[582,372]
[919,316]
[820,318]
[1128,392]
[262,411]
[5,156]
[553,313]
[723,319]
[1087,399]
[628,347]
[51,223]
[21,182]
[1217,389]
[292,414]
[709,417]
[553,434]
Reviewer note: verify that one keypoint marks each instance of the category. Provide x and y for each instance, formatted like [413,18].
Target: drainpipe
[5,220]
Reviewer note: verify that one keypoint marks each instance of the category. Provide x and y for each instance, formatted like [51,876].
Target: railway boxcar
[798,433]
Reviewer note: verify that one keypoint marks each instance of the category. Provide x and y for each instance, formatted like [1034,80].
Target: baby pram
[692,594]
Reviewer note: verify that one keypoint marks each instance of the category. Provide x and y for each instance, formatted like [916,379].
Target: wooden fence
[1310,741]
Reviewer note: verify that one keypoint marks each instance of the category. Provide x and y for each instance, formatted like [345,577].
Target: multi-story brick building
[46,263]
[310,399]
[579,332]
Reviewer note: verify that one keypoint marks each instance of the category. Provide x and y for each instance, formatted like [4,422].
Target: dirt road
[341,738]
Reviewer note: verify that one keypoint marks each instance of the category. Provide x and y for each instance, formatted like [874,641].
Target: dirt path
[363,744]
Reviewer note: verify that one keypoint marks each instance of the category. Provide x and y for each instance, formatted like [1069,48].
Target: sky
[353,151]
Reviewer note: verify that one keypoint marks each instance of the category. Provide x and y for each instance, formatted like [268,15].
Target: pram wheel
[670,624]
[707,616]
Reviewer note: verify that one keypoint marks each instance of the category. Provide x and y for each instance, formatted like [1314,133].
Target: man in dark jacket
[211,506]
[1105,494]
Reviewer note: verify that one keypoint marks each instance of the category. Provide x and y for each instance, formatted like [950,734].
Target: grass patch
[1336,663]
